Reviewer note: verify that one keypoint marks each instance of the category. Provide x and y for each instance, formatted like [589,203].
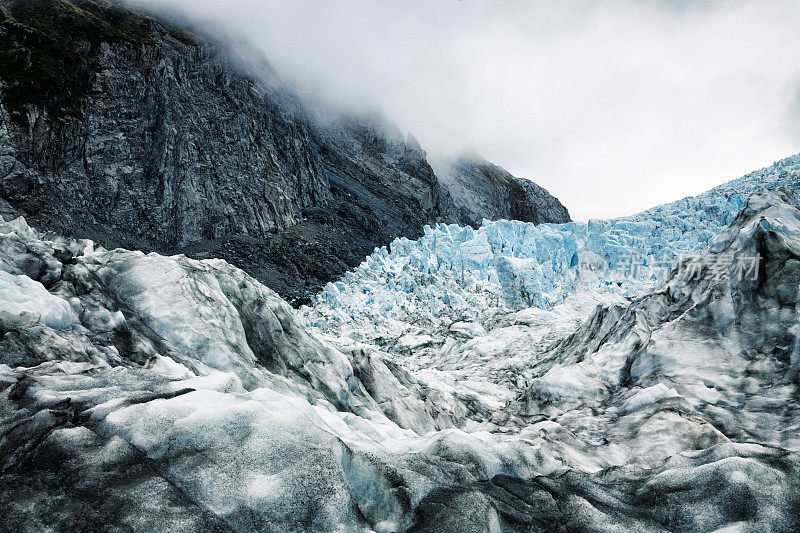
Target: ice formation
[458,273]
[20,295]
[512,395]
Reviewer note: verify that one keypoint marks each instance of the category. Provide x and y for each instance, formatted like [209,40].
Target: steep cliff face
[118,127]
[481,190]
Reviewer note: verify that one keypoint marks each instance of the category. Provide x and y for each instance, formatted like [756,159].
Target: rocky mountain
[153,393]
[122,128]
[481,190]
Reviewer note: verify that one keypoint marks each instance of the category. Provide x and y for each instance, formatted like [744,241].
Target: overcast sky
[613,106]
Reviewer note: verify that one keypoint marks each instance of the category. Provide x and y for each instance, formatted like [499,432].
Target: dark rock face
[481,190]
[172,146]
[117,127]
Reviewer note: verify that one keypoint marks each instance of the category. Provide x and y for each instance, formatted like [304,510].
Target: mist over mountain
[173,141]
[652,100]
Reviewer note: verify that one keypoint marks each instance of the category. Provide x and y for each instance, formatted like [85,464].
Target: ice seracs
[455,270]
[417,298]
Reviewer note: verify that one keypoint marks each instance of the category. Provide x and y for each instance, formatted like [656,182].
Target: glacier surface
[457,271]
[19,294]
[510,378]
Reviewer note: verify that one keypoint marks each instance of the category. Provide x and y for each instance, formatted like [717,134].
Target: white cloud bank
[613,106]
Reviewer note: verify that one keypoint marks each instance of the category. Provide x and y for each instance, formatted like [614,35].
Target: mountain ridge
[478,186]
[160,142]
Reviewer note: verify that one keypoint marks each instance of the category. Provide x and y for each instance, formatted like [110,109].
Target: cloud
[613,106]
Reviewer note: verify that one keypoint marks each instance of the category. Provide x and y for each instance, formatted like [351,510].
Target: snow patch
[20,294]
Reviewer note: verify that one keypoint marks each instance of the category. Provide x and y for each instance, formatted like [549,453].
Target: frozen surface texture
[459,272]
[172,394]
[19,295]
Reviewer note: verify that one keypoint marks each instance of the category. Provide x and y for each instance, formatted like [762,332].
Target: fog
[612,106]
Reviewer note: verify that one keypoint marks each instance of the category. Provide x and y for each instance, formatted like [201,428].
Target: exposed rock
[118,127]
[481,190]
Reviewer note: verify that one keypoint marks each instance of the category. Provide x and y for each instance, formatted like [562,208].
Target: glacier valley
[514,377]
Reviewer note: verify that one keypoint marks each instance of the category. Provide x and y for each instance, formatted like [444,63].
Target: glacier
[509,378]
[452,269]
